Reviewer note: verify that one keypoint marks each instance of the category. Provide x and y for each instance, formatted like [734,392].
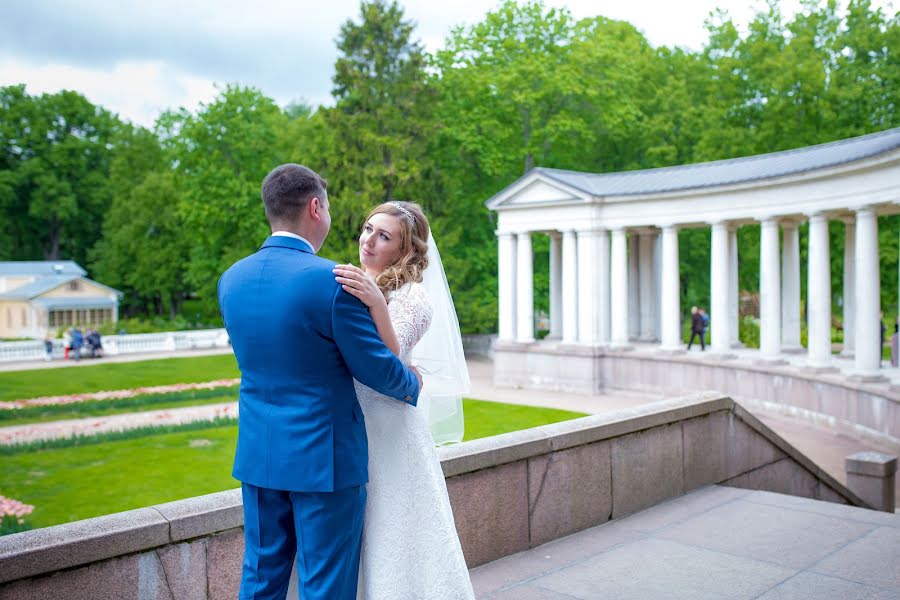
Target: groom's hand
[418,376]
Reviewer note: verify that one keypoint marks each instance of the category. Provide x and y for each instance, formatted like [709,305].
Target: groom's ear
[313,208]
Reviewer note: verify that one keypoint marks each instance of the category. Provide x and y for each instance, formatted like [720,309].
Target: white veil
[439,355]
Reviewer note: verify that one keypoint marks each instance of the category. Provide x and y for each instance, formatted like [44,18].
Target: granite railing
[509,493]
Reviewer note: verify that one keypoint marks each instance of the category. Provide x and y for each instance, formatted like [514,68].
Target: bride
[410,549]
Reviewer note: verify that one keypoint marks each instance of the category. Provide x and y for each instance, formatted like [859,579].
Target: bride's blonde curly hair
[412,257]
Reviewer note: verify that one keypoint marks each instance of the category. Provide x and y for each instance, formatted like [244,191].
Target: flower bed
[116,394]
[12,515]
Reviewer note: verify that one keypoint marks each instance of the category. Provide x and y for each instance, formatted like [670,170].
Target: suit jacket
[300,340]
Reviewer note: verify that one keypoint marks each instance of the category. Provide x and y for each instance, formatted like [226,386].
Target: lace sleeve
[410,313]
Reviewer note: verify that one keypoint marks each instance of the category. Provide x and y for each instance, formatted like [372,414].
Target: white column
[647,285]
[556,308]
[569,288]
[849,295]
[525,289]
[670,311]
[587,287]
[790,287]
[634,288]
[719,280]
[506,285]
[819,293]
[618,279]
[733,288]
[603,284]
[769,291]
[868,294]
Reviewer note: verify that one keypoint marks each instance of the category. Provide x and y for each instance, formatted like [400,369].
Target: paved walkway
[714,543]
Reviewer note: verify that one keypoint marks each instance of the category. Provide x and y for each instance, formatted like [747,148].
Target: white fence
[168,341]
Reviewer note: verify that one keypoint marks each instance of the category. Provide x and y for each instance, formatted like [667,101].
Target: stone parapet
[509,493]
[871,475]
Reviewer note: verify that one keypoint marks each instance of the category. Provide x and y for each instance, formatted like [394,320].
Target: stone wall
[825,399]
[509,493]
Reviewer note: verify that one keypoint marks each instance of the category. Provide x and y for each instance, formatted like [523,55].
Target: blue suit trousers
[322,529]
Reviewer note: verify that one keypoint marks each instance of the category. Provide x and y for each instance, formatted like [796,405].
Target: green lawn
[68,484]
[17,385]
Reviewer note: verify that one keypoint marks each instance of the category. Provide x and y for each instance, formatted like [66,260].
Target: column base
[671,350]
[819,369]
[793,349]
[769,361]
[867,377]
[620,346]
[847,354]
[737,345]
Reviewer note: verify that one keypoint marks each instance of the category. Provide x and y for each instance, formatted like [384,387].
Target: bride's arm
[357,282]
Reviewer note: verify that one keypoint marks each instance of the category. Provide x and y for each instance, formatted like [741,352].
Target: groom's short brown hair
[287,190]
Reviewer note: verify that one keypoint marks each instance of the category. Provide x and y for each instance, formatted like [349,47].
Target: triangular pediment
[534,190]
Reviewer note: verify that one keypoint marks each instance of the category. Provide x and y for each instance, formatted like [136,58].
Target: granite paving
[717,543]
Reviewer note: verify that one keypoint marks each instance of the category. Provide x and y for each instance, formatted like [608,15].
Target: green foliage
[18,385]
[221,156]
[54,161]
[748,331]
[182,322]
[144,246]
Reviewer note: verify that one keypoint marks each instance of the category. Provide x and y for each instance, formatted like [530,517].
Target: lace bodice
[410,313]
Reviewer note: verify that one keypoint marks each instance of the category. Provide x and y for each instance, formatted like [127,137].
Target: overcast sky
[138,59]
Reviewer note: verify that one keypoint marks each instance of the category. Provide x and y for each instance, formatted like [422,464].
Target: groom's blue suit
[302,452]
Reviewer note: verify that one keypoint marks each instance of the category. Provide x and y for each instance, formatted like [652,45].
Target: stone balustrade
[509,493]
[169,341]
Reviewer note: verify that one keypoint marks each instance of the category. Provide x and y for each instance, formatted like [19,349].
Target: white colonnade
[614,250]
[596,272]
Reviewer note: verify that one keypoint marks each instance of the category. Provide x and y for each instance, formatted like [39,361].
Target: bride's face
[379,242]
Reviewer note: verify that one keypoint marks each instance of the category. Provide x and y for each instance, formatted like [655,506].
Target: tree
[379,124]
[144,243]
[54,159]
[222,154]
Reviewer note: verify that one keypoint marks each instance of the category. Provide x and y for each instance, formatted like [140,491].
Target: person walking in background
[697,328]
[48,347]
[77,343]
[67,343]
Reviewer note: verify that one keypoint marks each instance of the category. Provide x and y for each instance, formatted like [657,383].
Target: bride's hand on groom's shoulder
[359,283]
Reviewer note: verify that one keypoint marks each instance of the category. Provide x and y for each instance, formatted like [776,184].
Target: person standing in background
[48,347]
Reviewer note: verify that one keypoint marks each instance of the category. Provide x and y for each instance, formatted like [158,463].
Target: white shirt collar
[295,236]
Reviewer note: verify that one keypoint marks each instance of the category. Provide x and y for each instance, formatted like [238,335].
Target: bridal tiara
[404,210]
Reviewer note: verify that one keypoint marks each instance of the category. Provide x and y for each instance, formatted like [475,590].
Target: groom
[302,452]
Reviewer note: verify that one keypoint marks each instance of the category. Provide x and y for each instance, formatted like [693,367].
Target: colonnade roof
[720,172]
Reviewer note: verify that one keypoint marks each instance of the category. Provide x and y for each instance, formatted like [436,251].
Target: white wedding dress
[410,549]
